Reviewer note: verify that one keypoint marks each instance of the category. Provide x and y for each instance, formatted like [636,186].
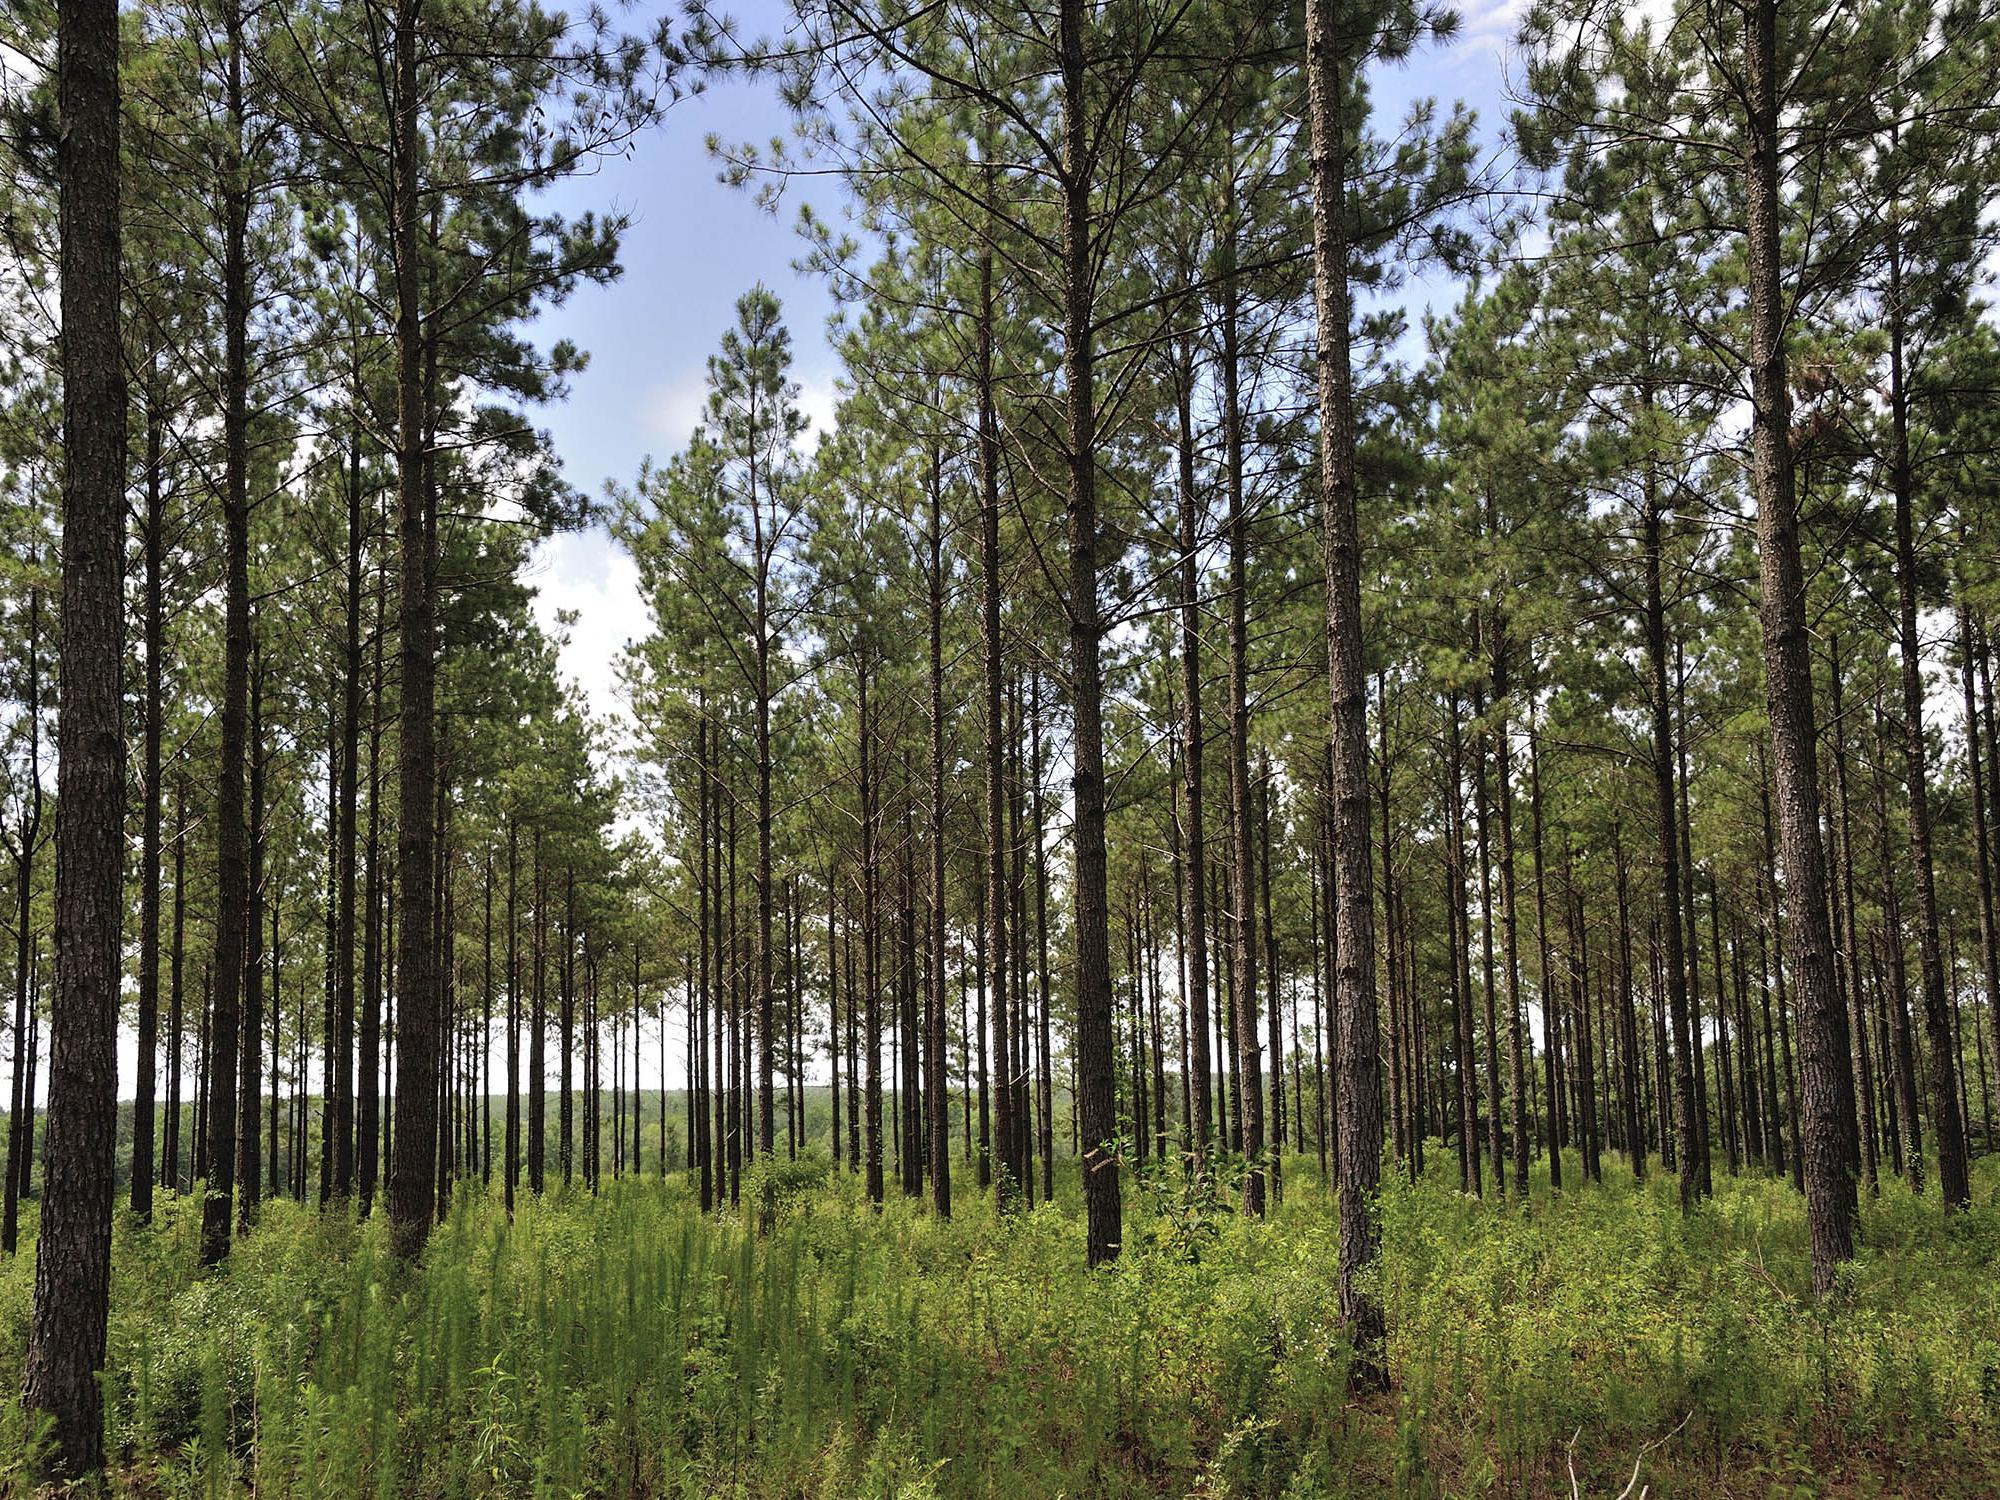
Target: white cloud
[818,400]
[1491,23]
[587,572]
[674,407]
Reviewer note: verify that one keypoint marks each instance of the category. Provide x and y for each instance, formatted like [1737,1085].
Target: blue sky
[695,245]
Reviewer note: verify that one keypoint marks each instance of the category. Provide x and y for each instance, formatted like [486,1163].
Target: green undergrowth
[626,1345]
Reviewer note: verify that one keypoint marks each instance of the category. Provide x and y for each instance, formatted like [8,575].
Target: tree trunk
[1243,913]
[1585,1050]
[935,1076]
[511,1147]
[1048,1103]
[251,1085]
[1848,933]
[1482,833]
[1008,1178]
[413,1182]
[1666,811]
[910,1098]
[144,1097]
[566,996]
[170,1158]
[1470,1169]
[1947,1119]
[1192,740]
[702,996]
[66,1340]
[1697,1051]
[232,861]
[1357,1066]
[349,793]
[870,937]
[1510,952]
[1989,926]
[766,1097]
[1628,1021]
[1273,987]
[538,1032]
[368,1109]
[1548,990]
[1990,832]
[1897,998]
[20,1108]
[1405,1124]
[1828,1085]
[277,1017]
[1097,1117]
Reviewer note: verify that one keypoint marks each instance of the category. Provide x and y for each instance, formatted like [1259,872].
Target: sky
[694,246]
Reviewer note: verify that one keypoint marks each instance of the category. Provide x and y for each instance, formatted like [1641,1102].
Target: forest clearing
[1130,747]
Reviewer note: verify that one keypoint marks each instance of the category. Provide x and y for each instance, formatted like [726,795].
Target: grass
[626,1345]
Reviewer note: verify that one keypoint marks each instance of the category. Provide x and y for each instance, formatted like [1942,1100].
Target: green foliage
[1186,1209]
[789,1182]
[196,1375]
[625,1344]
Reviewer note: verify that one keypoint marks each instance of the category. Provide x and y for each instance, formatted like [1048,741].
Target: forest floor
[626,1345]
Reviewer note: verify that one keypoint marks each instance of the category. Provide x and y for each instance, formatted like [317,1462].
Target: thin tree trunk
[349,795]
[871,973]
[1699,1142]
[1548,990]
[1007,1179]
[1470,1168]
[538,1031]
[766,1098]
[935,1077]
[1482,833]
[833,1012]
[170,1157]
[251,1085]
[154,538]
[368,1106]
[1192,740]
[566,997]
[21,1103]
[1628,1020]
[277,1017]
[1243,888]
[232,855]
[1910,1129]
[511,1150]
[1585,1051]
[1666,812]
[1503,791]
[1048,1103]
[705,899]
[1273,996]
[1947,1119]
[1971,642]
[1849,933]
